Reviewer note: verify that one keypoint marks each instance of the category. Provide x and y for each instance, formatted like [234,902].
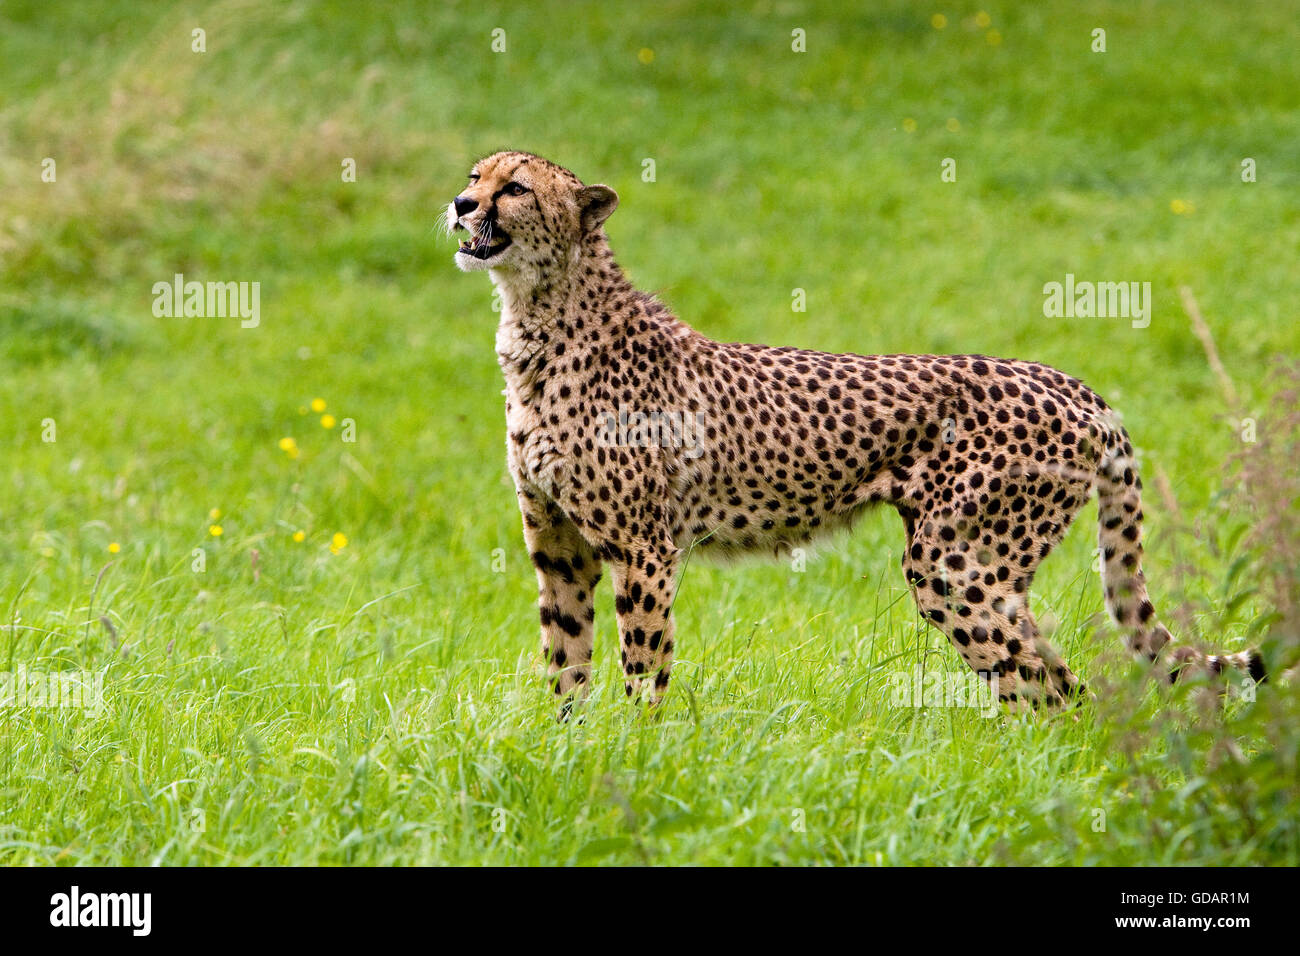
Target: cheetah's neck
[542,313]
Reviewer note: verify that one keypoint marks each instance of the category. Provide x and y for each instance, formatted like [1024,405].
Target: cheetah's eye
[473,177]
[514,189]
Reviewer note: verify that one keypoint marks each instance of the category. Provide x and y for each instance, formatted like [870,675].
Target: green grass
[383,704]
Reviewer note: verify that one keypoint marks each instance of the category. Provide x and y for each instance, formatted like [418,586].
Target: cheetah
[756,449]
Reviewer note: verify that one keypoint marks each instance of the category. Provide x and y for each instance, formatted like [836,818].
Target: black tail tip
[1257,672]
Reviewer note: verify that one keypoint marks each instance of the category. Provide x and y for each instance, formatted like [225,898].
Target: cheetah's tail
[1120,540]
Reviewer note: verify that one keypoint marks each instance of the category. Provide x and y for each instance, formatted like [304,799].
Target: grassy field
[322,651]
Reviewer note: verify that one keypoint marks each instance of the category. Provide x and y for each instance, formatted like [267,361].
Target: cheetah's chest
[533,451]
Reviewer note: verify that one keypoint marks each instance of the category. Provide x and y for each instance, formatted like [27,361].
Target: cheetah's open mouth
[485,247]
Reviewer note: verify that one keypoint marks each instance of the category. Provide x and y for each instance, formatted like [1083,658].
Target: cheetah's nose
[464,205]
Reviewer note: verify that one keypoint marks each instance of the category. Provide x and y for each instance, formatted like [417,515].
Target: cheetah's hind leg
[970,575]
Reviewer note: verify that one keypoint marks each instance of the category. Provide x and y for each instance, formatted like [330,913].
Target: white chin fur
[468,263]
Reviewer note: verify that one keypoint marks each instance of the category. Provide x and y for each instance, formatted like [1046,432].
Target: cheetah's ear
[596,204]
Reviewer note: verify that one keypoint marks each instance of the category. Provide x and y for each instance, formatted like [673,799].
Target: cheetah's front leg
[643,595]
[567,573]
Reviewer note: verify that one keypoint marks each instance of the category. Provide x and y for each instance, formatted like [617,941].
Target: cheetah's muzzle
[986,460]
[485,247]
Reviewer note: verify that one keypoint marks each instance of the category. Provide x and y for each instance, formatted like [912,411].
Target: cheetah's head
[525,214]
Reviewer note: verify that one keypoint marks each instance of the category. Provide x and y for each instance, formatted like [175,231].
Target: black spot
[1257,671]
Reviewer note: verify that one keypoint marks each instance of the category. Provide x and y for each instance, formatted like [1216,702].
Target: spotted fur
[987,460]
